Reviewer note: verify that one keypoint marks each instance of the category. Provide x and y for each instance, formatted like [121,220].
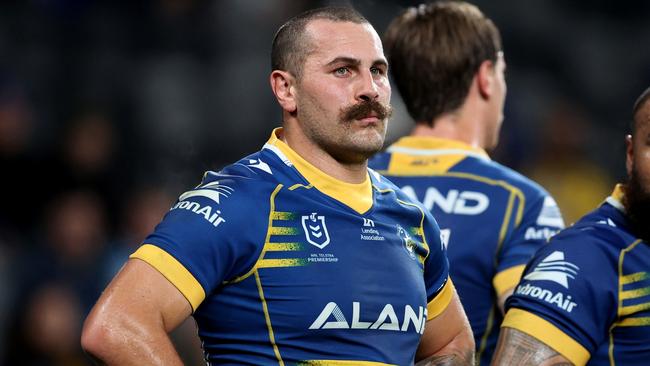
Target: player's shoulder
[244,183]
[385,186]
[605,229]
[498,172]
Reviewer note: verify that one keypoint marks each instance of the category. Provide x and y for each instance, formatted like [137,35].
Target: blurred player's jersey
[283,264]
[492,220]
[587,294]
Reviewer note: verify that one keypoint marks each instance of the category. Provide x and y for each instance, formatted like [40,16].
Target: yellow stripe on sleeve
[439,303]
[547,333]
[174,271]
[507,279]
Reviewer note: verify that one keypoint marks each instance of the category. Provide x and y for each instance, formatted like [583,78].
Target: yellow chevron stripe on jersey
[285,262]
[633,294]
[627,279]
[439,303]
[282,230]
[631,309]
[173,271]
[272,213]
[547,333]
[634,277]
[283,216]
[284,247]
[356,196]
[507,279]
[634,322]
[341,363]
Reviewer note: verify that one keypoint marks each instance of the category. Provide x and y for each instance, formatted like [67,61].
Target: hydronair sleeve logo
[316,230]
[550,214]
[212,190]
[554,268]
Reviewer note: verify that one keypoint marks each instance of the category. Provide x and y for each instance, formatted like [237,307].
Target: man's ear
[486,79]
[629,154]
[283,86]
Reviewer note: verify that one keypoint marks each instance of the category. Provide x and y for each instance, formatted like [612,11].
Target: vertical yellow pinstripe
[486,334]
[619,311]
[506,221]
[502,234]
[268,319]
[268,235]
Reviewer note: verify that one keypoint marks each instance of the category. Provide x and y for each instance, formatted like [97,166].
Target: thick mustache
[363,109]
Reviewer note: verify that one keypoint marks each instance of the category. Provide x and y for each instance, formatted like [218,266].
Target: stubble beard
[637,205]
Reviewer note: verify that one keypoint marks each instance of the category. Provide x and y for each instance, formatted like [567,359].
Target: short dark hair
[640,103]
[435,50]
[290,46]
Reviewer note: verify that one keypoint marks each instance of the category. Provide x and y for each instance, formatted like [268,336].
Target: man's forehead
[331,37]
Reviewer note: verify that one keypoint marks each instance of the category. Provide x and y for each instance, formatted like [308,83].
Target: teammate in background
[447,61]
[296,254]
[585,298]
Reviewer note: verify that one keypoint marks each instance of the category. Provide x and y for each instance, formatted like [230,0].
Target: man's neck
[319,158]
[456,126]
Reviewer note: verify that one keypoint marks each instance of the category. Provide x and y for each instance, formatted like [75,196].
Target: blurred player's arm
[501,301]
[518,348]
[504,284]
[447,338]
[129,325]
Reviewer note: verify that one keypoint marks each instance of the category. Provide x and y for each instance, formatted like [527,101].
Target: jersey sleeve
[540,220]
[436,270]
[209,236]
[567,297]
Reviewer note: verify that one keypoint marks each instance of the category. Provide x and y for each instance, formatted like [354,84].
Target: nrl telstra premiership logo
[316,230]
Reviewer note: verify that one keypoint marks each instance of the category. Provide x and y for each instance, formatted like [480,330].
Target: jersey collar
[420,145]
[356,196]
[616,198]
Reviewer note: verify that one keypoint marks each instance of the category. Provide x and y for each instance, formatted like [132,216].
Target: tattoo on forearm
[516,348]
[448,360]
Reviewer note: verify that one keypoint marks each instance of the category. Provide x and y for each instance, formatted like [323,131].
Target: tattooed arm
[518,348]
[447,339]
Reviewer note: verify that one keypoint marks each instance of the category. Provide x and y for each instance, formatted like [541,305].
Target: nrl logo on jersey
[316,230]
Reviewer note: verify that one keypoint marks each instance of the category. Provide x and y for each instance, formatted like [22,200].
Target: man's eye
[376,71]
[341,71]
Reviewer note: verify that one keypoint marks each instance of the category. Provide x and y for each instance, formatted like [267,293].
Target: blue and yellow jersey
[492,220]
[587,294]
[285,265]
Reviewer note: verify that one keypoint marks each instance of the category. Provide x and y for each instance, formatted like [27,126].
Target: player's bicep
[447,336]
[518,348]
[141,294]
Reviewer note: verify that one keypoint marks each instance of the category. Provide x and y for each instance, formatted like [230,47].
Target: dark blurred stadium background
[109,109]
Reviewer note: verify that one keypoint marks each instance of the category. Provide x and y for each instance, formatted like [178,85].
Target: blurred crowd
[109,110]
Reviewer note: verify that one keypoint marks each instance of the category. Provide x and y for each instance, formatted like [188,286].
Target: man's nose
[368,89]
